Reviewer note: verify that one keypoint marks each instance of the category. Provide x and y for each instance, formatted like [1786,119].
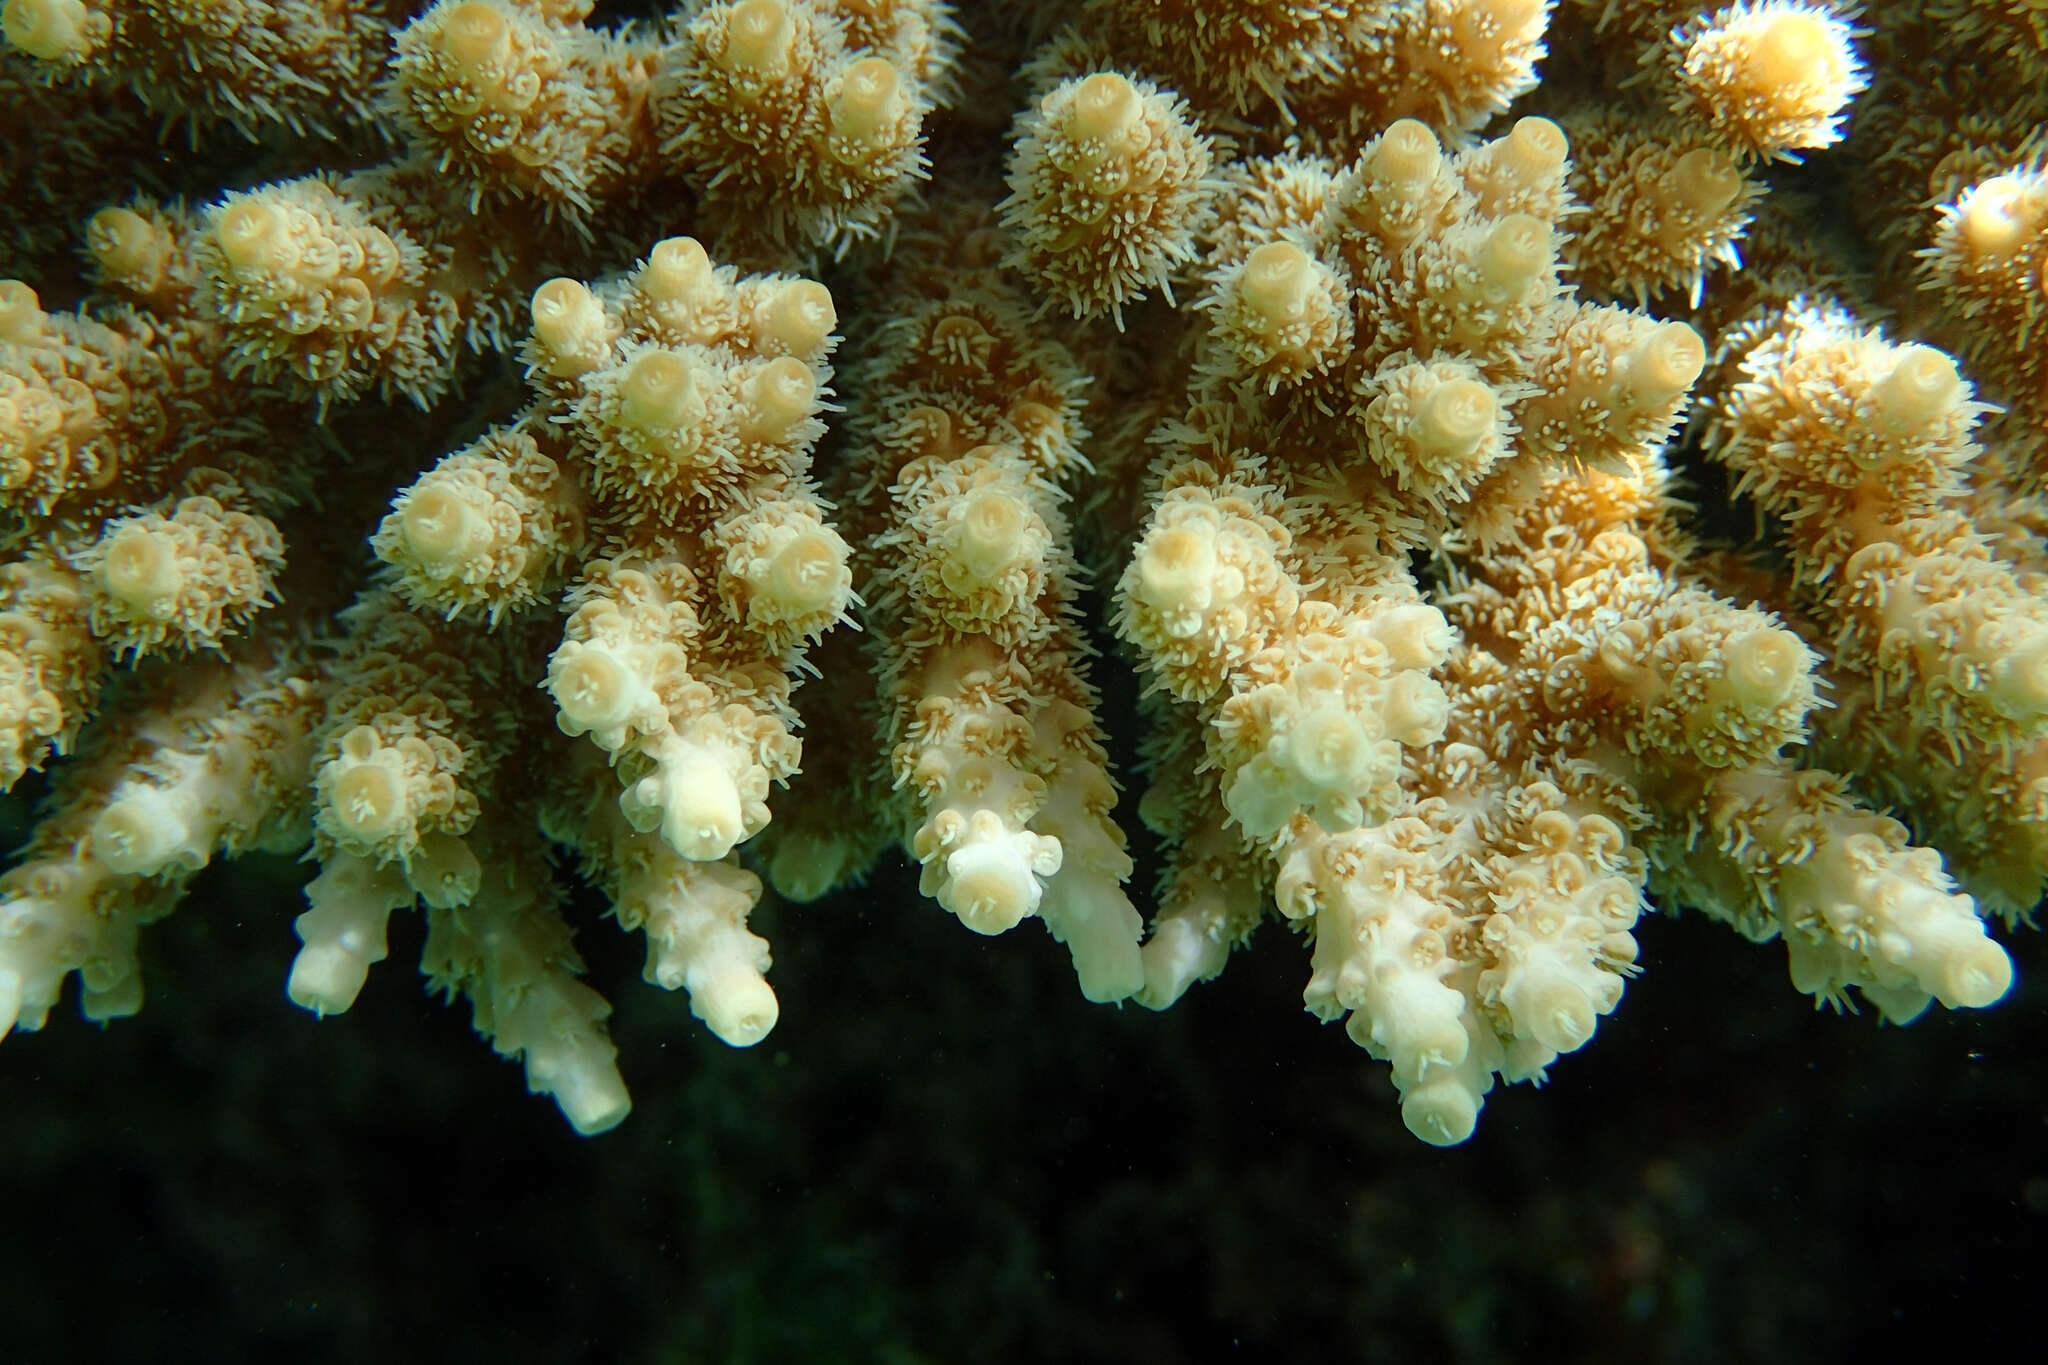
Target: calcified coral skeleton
[1269,336]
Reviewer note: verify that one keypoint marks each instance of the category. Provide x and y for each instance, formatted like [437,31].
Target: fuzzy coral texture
[1544,460]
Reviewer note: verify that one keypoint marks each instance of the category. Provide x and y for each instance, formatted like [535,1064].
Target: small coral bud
[138,835]
[1997,216]
[141,571]
[48,30]
[798,318]
[758,37]
[1105,110]
[1661,366]
[1278,281]
[442,528]
[569,327]
[1454,418]
[678,270]
[124,244]
[476,36]
[776,397]
[1706,181]
[868,104]
[659,393]
[252,236]
[369,802]
[21,313]
[1406,154]
[590,688]
[1513,253]
[1533,150]
[1764,668]
[1921,388]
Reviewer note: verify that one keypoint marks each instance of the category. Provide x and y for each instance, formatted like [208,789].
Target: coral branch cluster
[720,452]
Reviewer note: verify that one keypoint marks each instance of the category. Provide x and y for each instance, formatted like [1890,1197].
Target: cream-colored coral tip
[1554,1011]
[443,530]
[592,690]
[1706,181]
[252,236]
[476,36]
[991,536]
[701,819]
[807,579]
[1406,154]
[799,318]
[1455,417]
[1415,710]
[1106,110]
[21,313]
[1788,48]
[1515,251]
[1920,389]
[1278,281]
[1764,668]
[1534,149]
[141,570]
[1331,750]
[48,30]
[678,270]
[368,802]
[776,397]
[989,888]
[137,835]
[659,393]
[1442,1110]
[1175,571]
[124,244]
[589,1091]
[569,324]
[1975,976]
[1662,365]
[737,1006]
[759,36]
[1998,216]
[1414,634]
[868,104]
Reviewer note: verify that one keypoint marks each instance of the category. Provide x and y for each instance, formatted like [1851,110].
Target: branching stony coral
[715,450]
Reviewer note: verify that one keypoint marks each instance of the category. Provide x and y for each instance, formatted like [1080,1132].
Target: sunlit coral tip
[1104,109]
[123,243]
[1278,279]
[1407,153]
[21,313]
[781,394]
[677,271]
[141,570]
[251,235]
[1706,181]
[1456,416]
[865,107]
[441,528]
[1535,148]
[659,393]
[758,37]
[800,318]
[476,35]
[1921,388]
[48,30]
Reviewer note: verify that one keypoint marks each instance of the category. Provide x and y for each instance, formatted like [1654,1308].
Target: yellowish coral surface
[1542,460]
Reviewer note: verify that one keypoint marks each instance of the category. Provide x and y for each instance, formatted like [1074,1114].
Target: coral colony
[1521,496]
